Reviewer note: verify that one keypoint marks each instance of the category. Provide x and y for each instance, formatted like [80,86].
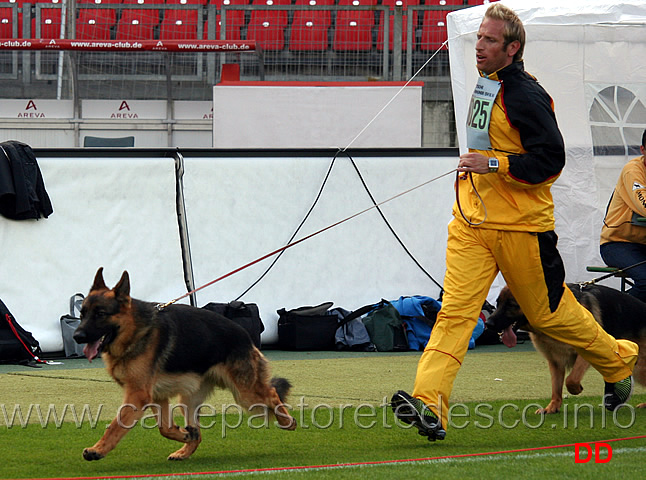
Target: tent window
[617,120]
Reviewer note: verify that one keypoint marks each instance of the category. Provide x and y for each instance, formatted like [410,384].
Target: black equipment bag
[307,328]
[69,324]
[244,314]
[386,329]
[17,345]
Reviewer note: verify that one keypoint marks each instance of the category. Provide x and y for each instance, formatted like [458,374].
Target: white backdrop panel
[266,116]
[118,213]
[240,209]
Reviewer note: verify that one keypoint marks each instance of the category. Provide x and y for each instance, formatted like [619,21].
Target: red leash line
[15,332]
[341,465]
[296,242]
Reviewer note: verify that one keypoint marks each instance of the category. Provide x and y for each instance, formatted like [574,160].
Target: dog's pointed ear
[122,289]
[99,283]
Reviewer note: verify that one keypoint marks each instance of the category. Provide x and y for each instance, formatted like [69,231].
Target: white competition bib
[479,115]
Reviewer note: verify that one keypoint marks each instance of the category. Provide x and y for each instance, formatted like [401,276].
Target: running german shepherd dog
[620,314]
[156,354]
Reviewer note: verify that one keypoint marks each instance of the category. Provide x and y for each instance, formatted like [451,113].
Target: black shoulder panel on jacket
[529,110]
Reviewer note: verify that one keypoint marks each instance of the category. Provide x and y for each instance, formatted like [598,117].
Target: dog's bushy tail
[282,386]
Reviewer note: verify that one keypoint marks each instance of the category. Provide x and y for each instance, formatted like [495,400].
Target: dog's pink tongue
[91,350]
[509,337]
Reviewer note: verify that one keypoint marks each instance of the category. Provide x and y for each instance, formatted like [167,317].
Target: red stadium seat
[275,14]
[99,2]
[186,2]
[135,25]
[353,30]
[380,34]
[143,2]
[434,25]
[391,28]
[232,33]
[309,30]
[351,34]
[433,30]
[19,3]
[50,23]
[95,24]
[268,35]
[179,25]
[235,19]
[403,3]
[267,27]
[147,15]
[108,15]
[6,23]
[360,3]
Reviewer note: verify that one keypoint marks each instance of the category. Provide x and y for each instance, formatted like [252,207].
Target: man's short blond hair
[514,29]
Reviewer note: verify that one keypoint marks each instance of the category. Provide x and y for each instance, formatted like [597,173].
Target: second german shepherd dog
[620,314]
[156,354]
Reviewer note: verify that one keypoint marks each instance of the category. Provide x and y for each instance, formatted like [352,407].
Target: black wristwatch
[493,165]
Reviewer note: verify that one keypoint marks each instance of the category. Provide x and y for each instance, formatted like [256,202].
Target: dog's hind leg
[264,395]
[557,372]
[251,387]
[190,435]
[573,380]
[280,387]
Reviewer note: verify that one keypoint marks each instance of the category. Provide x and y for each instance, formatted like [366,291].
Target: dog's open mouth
[92,350]
[508,336]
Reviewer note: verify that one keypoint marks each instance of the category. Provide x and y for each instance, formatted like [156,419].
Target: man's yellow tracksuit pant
[533,270]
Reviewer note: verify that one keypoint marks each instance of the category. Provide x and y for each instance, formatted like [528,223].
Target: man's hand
[473,162]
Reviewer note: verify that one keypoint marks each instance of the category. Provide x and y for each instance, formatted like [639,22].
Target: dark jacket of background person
[22,189]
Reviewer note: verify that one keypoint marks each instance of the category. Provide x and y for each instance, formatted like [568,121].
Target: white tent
[588,54]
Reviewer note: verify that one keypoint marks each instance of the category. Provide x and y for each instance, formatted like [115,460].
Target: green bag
[386,328]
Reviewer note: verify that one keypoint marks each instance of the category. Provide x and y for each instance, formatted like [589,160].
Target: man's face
[491,54]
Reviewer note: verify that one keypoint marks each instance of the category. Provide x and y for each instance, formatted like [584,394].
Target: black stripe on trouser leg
[553,268]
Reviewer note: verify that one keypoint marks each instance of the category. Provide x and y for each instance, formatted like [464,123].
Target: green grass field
[338,400]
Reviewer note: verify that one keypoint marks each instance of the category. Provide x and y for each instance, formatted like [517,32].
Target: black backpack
[246,315]
[17,345]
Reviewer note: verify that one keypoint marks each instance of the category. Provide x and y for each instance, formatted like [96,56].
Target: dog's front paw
[574,388]
[90,454]
[184,452]
[290,425]
[550,409]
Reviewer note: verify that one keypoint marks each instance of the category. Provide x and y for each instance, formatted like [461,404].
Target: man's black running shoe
[414,412]
[617,394]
